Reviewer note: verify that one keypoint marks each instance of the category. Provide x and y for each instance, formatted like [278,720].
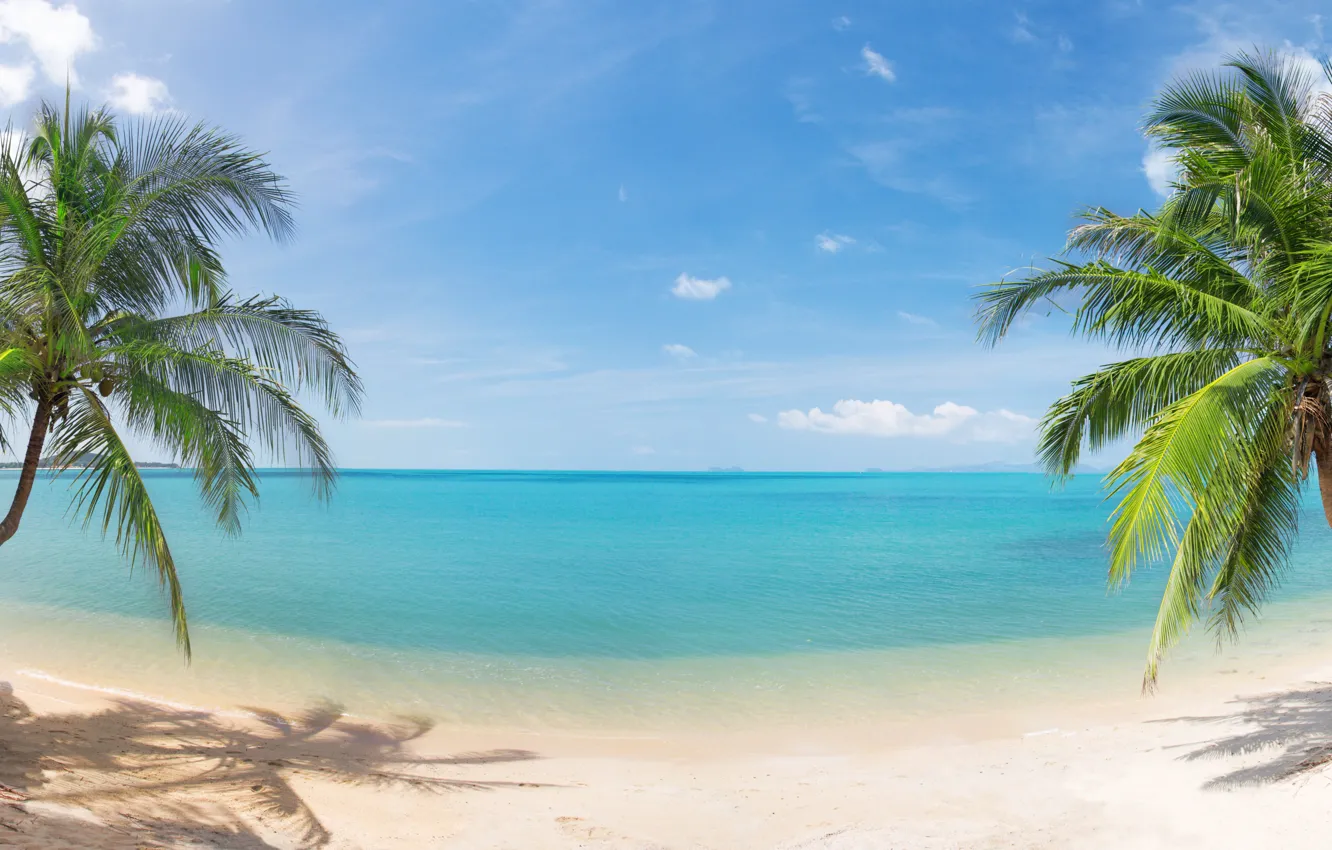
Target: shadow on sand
[163,776]
[1291,730]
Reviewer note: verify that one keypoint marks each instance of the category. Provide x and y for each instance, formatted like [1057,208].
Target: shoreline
[1096,772]
[957,688]
[1043,743]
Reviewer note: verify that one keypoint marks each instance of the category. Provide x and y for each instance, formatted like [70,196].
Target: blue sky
[665,235]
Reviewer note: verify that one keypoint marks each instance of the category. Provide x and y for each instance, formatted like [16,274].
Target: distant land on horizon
[999,466]
[85,460]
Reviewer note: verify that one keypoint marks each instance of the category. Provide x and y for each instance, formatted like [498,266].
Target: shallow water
[558,598]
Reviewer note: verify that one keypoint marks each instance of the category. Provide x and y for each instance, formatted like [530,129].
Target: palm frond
[1161,480]
[1126,307]
[111,491]
[1241,523]
[1120,398]
[296,346]
[206,441]
[259,404]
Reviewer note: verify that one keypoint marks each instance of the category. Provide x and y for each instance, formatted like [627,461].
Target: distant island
[999,466]
[85,460]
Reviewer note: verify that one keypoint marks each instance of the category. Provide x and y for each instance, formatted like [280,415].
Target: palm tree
[115,318]
[1225,297]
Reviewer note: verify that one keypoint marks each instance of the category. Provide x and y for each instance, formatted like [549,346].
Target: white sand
[1196,767]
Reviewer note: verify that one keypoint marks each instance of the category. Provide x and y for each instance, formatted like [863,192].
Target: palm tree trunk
[1324,460]
[41,420]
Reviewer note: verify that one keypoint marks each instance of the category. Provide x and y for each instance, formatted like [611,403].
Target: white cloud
[138,95]
[624,194]
[876,65]
[832,242]
[888,419]
[699,289]
[427,422]
[1021,31]
[679,352]
[1065,44]
[758,417]
[56,35]
[915,319]
[15,83]
[643,450]
[1161,169]
[841,22]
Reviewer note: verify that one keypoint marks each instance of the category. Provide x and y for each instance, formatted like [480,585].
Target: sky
[574,234]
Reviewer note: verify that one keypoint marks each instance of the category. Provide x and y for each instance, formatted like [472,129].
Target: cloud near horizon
[889,419]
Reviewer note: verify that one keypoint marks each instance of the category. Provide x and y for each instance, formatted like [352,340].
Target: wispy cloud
[914,319]
[841,22]
[693,288]
[798,94]
[138,95]
[1070,136]
[643,450]
[831,243]
[1024,31]
[1021,30]
[341,176]
[876,65]
[885,161]
[1229,28]
[426,422]
[758,417]
[889,419]
[679,352]
[623,194]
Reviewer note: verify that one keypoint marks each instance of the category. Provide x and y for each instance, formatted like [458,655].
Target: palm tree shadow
[1292,729]
[166,770]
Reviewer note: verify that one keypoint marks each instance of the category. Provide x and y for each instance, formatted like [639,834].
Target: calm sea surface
[537,596]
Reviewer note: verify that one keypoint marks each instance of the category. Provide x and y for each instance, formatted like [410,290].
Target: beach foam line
[148,698]
[43,676]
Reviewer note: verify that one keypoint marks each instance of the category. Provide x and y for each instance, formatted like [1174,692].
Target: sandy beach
[1224,758]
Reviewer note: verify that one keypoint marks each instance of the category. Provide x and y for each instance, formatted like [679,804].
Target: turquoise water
[498,577]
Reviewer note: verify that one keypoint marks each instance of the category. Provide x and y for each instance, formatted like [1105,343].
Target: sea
[613,599]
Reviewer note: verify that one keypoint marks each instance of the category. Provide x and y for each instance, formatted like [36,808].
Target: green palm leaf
[1225,296]
[105,228]
[112,492]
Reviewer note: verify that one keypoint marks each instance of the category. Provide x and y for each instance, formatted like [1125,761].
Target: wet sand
[1225,757]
